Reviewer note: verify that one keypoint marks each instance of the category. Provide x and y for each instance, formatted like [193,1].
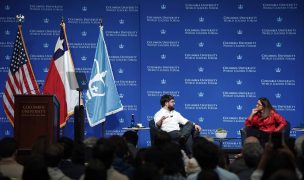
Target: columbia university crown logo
[163,31]
[7,32]
[200,94]
[239,57]
[120,71]
[7,132]
[278,44]
[84,33]
[45,45]
[7,7]
[121,21]
[121,46]
[46,20]
[279,19]
[83,82]
[7,57]
[278,95]
[84,8]
[163,81]
[83,58]
[239,107]
[201,19]
[239,82]
[163,56]
[278,69]
[201,119]
[201,44]
[240,6]
[121,120]
[201,69]
[163,7]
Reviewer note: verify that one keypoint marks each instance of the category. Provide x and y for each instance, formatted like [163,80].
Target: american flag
[21,78]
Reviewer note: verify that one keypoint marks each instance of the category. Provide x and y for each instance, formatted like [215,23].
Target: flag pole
[61,129]
[103,123]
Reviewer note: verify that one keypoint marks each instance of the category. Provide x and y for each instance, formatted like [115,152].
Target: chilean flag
[61,75]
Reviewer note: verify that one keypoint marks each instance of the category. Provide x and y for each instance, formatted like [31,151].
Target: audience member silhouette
[73,165]
[53,156]
[131,137]
[105,152]
[95,170]
[207,155]
[35,169]
[40,145]
[173,162]
[248,162]
[123,158]
[8,165]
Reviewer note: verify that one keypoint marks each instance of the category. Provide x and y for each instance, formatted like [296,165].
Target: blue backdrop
[216,57]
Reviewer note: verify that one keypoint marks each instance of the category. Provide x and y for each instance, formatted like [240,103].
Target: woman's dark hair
[279,160]
[165,98]
[35,168]
[267,107]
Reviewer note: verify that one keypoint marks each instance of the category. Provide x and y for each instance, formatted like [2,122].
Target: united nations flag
[102,98]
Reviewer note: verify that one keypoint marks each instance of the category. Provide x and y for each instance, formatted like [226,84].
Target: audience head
[131,137]
[104,151]
[154,156]
[290,142]
[90,142]
[206,153]
[53,155]
[40,145]
[95,170]
[279,160]
[165,98]
[140,157]
[35,168]
[68,145]
[172,159]
[78,153]
[298,145]
[251,139]
[121,147]
[8,147]
[283,175]
[252,153]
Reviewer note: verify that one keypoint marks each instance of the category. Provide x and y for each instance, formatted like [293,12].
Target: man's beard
[171,108]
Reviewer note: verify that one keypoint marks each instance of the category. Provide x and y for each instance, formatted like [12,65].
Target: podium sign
[35,116]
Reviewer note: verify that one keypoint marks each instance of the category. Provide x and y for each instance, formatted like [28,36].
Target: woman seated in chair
[264,120]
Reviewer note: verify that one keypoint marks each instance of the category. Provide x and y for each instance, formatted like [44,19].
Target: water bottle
[132,121]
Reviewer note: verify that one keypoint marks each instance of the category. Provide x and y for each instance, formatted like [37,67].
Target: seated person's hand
[197,128]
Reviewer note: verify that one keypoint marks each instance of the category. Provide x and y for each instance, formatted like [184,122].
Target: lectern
[35,115]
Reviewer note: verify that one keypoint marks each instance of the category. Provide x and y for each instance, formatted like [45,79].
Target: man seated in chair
[169,120]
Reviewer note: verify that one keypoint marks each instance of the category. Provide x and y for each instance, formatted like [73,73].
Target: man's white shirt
[171,123]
